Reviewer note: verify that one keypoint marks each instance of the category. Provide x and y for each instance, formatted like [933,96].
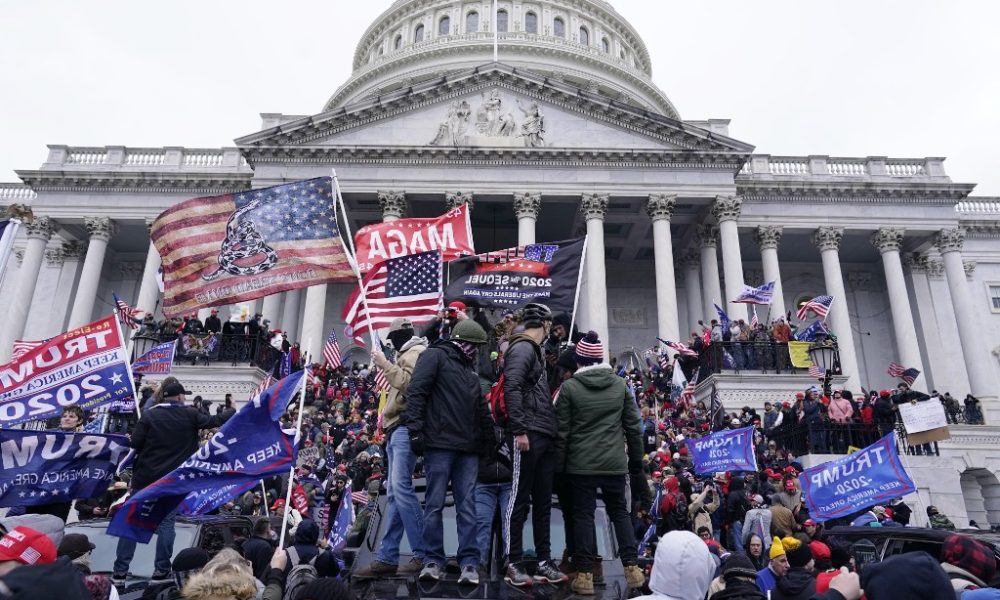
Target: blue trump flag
[342,523]
[248,447]
[729,450]
[847,485]
[809,334]
[158,360]
[40,467]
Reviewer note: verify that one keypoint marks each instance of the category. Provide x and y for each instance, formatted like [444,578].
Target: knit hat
[969,555]
[189,559]
[894,578]
[738,565]
[798,553]
[589,350]
[777,548]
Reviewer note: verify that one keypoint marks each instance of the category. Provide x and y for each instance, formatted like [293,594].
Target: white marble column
[982,379]
[101,230]
[291,312]
[149,290]
[918,266]
[393,205]
[768,237]
[38,231]
[313,334]
[527,205]
[727,211]
[710,285]
[272,310]
[660,208]
[692,283]
[827,239]
[69,277]
[888,241]
[594,207]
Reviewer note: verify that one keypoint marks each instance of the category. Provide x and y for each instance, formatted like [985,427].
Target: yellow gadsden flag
[799,353]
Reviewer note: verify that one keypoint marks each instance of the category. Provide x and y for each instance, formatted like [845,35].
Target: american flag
[819,305]
[909,375]
[261,388]
[128,315]
[361,497]
[243,246]
[30,556]
[687,396]
[22,347]
[381,383]
[408,286]
[815,371]
[757,295]
[680,348]
[331,350]
[664,362]
[754,321]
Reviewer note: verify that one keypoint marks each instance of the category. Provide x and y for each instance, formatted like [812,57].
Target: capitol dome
[580,42]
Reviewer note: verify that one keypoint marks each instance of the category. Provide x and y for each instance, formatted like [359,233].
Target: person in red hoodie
[673,510]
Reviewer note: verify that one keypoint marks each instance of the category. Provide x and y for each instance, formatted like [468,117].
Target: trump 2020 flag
[227,249]
[248,447]
[85,367]
[40,467]
[342,523]
[757,295]
[158,360]
[873,475]
[729,450]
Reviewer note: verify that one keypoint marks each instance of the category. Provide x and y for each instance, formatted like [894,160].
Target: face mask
[467,348]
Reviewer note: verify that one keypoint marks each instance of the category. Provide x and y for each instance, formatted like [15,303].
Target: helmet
[468,331]
[400,323]
[535,312]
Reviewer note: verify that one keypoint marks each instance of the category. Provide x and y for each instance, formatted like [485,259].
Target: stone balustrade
[765,165]
[13,193]
[69,158]
[979,206]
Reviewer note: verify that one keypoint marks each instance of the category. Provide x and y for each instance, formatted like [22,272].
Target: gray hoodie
[682,568]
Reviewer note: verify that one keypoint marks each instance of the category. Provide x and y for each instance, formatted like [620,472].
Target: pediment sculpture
[494,125]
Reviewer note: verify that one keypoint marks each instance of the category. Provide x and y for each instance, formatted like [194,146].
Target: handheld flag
[20,347]
[451,233]
[729,450]
[331,350]
[129,316]
[900,372]
[819,305]
[156,361]
[809,334]
[754,321]
[723,317]
[342,523]
[680,348]
[757,295]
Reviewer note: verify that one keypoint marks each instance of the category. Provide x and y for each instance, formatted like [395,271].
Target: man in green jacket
[597,419]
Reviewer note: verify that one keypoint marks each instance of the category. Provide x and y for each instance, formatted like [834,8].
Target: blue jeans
[461,469]
[403,513]
[164,548]
[489,497]
[736,531]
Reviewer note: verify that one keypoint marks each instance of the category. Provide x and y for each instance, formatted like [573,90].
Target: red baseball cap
[789,484]
[27,546]
[820,551]
[457,304]
[809,523]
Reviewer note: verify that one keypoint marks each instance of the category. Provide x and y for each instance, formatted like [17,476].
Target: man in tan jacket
[403,510]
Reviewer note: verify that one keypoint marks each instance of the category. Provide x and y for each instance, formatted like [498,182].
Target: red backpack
[496,398]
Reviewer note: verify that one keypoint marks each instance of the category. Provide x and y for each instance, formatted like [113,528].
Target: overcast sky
[902,78]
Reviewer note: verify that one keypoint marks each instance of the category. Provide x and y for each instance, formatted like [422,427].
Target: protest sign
[873,475]
[85,367]
[451,233]
[40,467]
[924,421]
[730,450]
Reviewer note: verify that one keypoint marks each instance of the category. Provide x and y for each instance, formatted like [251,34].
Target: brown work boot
[413,567]
[376,569]
[634,577]
[566,564]
[583,584]
[598,569]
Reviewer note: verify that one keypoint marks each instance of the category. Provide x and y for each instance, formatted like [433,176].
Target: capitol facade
[567,135]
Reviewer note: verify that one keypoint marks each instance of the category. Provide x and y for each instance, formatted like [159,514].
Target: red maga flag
[451,233]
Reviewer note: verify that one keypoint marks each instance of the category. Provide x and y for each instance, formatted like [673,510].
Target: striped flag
[408,286]
[381,383]
[128,315]
[268,381]
[22,347]
[819,305]
[243,246]
[896,370]
[757,295]
[687,396]
[331,350]
[815,371]
[680,348]
[754,321]
[361,497]
[909,375]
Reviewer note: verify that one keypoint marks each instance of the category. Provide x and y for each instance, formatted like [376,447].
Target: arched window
[472,22]
[559,27]
[418,34]
[397,43]
[444,26]
[531,22]
[606,45]
[584,36]
[502,21]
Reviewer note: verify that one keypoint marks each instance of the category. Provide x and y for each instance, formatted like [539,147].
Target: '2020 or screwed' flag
[85,367]
[546,273]
[451,233]
[41,467]
[730,450]
[236,247]
[248,447]
[158,360]
[873,475]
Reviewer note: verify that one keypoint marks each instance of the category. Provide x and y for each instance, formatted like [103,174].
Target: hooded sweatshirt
[306,536]
[398,375]
[682,568]
[893,578]
[797,584]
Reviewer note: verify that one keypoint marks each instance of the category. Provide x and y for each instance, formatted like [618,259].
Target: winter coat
[526,388]
[789,501]
[740,590]
[259,552]
[782,521]
[445,403]
[901,513]
[840,410]
[797,584]
[758,522]
[772,419]
[682,568]
[497,466]
[596,415]
[398,375]
[894,578]
[166,436]
[940,521]
[736,504]
[304,542]
[701,512]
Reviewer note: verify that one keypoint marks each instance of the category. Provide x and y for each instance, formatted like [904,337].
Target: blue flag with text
[873,475]
[729,450]
[41,467]
[158,360]
[248,447]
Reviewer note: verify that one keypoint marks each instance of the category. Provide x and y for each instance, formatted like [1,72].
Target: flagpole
[263,491]
[128,367]
[354,259]
[579,282]
[291,469]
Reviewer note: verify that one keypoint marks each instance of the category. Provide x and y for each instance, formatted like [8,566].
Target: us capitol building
[567,135]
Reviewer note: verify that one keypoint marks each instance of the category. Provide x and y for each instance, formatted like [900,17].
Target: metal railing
[205,349]
[764,357]
[827,437]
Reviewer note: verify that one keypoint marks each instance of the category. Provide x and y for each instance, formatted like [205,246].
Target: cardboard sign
[922,416]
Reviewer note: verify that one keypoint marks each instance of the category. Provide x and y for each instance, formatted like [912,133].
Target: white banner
[922,416]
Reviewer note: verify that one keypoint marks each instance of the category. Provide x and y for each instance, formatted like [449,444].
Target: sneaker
[119,578]
[376,569]
[469,576]
[583,584]
[413,567]
[634,576]
[548,573]
[160,577]
[516,576]
[430,572]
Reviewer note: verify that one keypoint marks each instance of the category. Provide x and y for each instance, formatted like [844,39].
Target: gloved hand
[417,442]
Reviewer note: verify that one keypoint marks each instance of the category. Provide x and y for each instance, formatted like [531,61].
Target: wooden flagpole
[291,469]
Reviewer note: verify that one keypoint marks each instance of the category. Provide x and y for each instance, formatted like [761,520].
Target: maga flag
[510,278]
[227,249]
[248,447]
[728,450]
[451,233]
[158,360]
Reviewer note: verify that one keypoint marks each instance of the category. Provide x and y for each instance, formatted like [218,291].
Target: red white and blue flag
[130,316]
[331,350]
[757,295]
[680,348]
[20,347]
[156,361]
[819,305]
[815,371]
[909,375]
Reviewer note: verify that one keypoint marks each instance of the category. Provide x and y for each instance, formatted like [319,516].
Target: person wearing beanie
[969,563]
[798,583]
[894,578]
[739,580]
[599,442]
[682,568]
[187,563]
[531,419]
[777,567]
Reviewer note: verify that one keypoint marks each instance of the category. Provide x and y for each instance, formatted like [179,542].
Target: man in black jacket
[165,437]
[532,422]
[449,423]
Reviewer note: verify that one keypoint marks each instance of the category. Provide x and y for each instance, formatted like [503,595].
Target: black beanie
[847,395]
[738,565]
[189,559]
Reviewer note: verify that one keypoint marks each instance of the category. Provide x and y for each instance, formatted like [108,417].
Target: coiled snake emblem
[243,241]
